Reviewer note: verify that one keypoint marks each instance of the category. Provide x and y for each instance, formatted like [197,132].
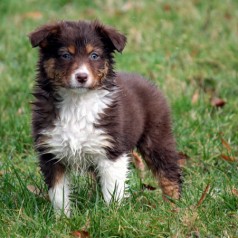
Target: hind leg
[162,159]
[170,181]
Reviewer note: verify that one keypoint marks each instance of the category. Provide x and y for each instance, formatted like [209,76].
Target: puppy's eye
[94,56]
[66,56]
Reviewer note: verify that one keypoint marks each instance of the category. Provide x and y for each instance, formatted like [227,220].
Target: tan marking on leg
[49,66]
[60,191]
[71,49]
[139,164]
[89,48]
[59,174]
[169,188]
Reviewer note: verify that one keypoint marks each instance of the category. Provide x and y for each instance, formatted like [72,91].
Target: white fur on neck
[74,138]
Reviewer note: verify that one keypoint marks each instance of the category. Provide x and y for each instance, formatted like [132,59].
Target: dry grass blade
[182,159]
[234,192]
[37,192]
[195,97]
[217,102]
[34,190]
[33,15]
[2,172]
[148,187]
[226,145]
[204,194]
[20,111]
[228,158]
[80,234]
[189,218]
[167,7]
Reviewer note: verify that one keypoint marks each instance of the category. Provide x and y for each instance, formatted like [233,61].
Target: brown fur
[72,49]
[89,48]
[139,116]
[169,187]
[49,66]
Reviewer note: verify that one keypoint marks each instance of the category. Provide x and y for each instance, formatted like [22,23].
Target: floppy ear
[40,35]
[117,39]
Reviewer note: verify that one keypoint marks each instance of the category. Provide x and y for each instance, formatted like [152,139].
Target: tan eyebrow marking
[63,50]
[71,49]
[89,48]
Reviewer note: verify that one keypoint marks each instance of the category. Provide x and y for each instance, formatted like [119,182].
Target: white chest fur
[74,138]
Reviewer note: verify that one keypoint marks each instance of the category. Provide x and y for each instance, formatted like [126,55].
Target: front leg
[58,184]
[113,176]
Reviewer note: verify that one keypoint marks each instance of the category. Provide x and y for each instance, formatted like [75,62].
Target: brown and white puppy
[87,115]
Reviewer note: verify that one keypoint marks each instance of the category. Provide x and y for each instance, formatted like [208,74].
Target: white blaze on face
[83,69]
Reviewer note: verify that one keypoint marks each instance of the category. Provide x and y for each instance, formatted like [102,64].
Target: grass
[188,48]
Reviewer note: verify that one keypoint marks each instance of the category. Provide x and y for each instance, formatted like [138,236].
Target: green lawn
[190,49]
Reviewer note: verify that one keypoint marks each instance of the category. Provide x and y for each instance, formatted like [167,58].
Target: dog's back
[140,108]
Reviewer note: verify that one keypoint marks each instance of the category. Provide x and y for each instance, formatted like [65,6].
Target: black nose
[81,77]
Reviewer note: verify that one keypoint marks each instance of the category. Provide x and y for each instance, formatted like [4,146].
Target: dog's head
[77,54]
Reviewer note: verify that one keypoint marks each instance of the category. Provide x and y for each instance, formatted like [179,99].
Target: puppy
[86,115]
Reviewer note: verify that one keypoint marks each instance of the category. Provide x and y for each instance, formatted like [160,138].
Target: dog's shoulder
[135,85]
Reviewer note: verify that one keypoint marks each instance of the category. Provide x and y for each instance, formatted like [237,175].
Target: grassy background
[190,49]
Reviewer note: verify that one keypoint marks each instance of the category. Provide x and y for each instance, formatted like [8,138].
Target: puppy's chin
[84,87]
[79,90]
[75,89]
